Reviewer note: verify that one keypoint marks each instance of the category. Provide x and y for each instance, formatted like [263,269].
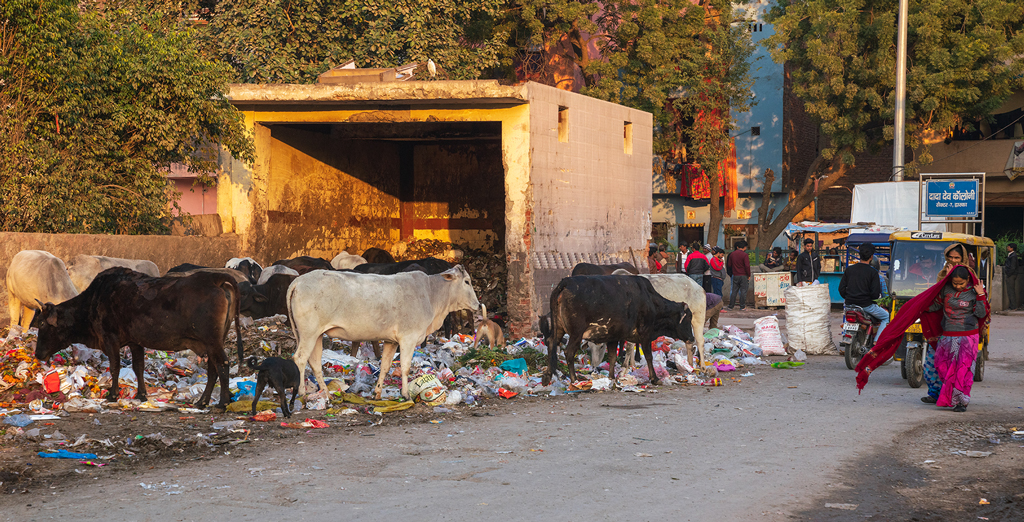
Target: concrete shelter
[544,176]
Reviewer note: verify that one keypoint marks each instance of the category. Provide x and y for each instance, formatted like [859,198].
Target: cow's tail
[236,303]
[553,341]
[291,315]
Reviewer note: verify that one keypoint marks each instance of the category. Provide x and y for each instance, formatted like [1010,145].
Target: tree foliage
[94,108]
[293,41]
[687,64]
[963,57]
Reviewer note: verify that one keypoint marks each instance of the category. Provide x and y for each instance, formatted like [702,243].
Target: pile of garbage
[444,372]
[487,270]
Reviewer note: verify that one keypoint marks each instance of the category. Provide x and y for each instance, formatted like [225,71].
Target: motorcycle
[859,330]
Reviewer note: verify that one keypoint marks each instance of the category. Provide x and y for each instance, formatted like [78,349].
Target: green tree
[687,64]
[94,109]
[293,41]
[963,56]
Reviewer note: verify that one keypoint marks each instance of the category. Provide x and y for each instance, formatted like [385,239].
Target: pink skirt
[954,362]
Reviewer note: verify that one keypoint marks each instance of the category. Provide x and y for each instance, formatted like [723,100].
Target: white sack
[807,320]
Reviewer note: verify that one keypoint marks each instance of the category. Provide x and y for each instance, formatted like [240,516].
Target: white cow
[399,310]
[345,260]
[275,269]
[35,276]
[84,268]
[681,289]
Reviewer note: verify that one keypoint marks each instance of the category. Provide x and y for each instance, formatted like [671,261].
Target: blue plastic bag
[65,454]
[20,420]
[244,388]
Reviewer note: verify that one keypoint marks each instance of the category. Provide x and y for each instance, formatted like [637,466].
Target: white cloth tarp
[893,203]
[807,320]
[1015,163]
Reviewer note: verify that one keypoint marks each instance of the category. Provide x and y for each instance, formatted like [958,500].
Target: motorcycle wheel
[915,367]
[853,351]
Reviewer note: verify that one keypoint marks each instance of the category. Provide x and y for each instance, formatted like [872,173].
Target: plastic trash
[515,366]
[230,425]
[787,364]
[19,420]
[65,454]
[800,355]
[603,383]
[557,388]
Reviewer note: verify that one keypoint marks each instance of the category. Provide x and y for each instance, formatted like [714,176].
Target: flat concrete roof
[463,92]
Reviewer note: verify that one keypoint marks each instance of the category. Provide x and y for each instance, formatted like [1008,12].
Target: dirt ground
[926,475]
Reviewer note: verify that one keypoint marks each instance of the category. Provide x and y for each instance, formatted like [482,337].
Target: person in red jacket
[696,264]
[738,267]
[717,262]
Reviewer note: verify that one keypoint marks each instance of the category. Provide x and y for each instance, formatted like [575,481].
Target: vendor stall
[835,255]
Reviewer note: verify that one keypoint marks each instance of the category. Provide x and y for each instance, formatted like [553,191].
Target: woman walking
[964,309]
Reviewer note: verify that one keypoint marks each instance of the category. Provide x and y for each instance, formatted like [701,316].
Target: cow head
[684,328]
[463,296]
[56,325]
[251,301]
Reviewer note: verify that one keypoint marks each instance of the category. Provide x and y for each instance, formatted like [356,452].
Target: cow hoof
[655,381]
[219,408]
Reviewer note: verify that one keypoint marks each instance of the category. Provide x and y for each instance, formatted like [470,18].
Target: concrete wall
[591,198]
[165,251]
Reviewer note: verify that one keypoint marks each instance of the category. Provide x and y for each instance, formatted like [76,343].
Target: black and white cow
[247,266]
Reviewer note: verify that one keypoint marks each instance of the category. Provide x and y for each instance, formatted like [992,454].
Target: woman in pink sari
[964,309]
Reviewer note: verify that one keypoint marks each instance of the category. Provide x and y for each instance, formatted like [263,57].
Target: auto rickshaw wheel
[915,366]
[903,362]
[979,365]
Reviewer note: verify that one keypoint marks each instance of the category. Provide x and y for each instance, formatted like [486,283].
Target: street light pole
[899,124]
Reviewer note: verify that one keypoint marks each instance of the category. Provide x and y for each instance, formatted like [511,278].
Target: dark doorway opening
[1000,221]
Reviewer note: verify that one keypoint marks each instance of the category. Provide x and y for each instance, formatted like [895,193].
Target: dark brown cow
[305,264]
[377,255]
[123,307]
[592,269]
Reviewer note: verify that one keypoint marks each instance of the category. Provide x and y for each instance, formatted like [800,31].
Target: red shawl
[914,309]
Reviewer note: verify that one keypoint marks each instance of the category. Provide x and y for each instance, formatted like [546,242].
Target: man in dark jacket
[1013,274]
[738,266]
[860,286]
[808,264]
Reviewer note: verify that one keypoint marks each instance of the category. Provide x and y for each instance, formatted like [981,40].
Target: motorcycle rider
[859,286]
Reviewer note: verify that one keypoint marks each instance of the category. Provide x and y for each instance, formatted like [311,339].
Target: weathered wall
[326,195]
[591,198]
[165,251]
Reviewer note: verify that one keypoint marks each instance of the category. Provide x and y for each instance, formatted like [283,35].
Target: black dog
[281,374]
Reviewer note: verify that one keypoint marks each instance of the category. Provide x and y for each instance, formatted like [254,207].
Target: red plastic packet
[506,394]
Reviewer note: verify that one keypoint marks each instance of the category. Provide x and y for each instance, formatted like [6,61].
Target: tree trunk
[715,210]
[828,173]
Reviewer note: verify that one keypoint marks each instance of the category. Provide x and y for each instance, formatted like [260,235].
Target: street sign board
[952,198]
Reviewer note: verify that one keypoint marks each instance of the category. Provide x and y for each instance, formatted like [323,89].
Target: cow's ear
[259,298]
[448,276]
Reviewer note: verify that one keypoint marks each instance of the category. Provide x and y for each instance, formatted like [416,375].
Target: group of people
[708,266]
[953,313]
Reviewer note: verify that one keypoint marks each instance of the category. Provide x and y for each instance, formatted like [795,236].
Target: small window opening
[563,124]
[627,137]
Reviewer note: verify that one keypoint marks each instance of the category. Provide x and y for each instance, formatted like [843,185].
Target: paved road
[765,449]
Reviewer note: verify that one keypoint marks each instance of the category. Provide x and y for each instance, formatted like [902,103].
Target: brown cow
[123,307]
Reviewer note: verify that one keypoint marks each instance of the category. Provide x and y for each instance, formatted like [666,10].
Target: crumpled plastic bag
[317,401]
[82,405]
